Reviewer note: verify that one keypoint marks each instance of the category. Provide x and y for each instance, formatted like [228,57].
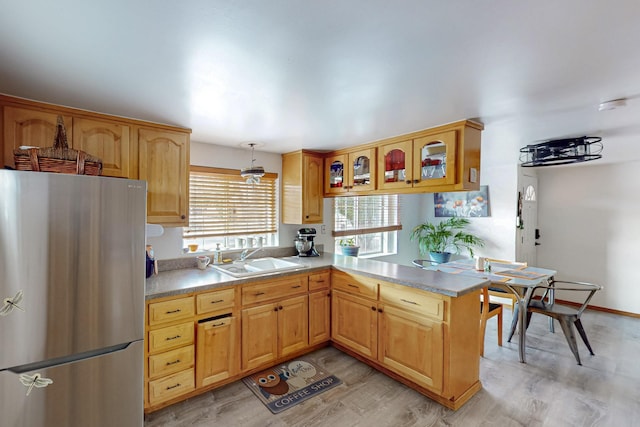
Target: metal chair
[423,263]
[565,315]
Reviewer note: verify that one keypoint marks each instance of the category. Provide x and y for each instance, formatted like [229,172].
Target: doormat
[286,385]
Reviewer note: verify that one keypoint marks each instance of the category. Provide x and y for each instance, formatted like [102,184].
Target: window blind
[221,203]
[366,214]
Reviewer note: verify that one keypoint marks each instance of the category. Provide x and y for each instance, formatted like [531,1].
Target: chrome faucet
[246,254]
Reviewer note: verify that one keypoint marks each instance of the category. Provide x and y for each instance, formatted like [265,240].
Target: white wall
[590,229]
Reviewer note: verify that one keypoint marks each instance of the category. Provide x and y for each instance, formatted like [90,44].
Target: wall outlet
[323,229]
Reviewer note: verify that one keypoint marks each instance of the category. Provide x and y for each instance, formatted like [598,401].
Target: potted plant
[349,246]
[439,239]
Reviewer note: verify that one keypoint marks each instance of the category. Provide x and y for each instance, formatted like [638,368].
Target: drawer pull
[409,302]
[218,324]
[319,281]
[217,301]
[353,286]
[296,286]
[177,310]
[172,338]
[259,293]
[173,363]
[173,386]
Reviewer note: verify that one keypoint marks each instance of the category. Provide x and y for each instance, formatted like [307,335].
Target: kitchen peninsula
[205,328]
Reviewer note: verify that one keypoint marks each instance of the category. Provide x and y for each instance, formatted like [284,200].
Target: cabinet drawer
[319,280]
[172,386]
[413,299]
[170,337]
[358,285]
[171,361]
[214,301]
[167,311]
[273,290]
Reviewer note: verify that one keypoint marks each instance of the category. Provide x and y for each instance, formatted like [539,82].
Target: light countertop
[176,282]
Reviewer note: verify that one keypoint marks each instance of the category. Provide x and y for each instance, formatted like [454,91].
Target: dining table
[518,278]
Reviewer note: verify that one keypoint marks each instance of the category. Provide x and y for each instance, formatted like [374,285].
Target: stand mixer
[304,242]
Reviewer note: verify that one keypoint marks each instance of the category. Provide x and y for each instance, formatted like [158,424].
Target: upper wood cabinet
[106,140]
[163,163]
[446,158]
[302,173]
[128,148]
[352,172]
[30,127]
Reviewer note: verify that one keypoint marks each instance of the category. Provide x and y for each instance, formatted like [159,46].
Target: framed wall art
[462,203]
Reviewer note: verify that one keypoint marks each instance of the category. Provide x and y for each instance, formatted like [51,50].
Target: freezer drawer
[101,391]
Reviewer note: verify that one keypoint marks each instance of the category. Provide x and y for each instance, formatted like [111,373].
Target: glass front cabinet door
[350,172]
[395,165]
[434,160]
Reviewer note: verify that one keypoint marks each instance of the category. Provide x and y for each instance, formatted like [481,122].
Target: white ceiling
[329,74]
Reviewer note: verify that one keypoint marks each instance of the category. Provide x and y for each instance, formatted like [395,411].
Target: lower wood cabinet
[206,339]
[426,340]
[217,357]
[274,330]
[319,316]
[412,345]
[170,351]
[354,323]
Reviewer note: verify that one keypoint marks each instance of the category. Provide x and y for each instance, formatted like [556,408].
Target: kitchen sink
[256,267]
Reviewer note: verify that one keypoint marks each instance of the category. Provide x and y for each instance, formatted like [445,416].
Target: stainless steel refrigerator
[71,300]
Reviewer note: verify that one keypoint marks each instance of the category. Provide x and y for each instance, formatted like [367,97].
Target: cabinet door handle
[217,301]
[177,310]
[408,181]
[172,338]
[173,386]
[409,302]
[296,286]
[173,363]
[379,310]
[373,308]
[259,293]
[280,308]
[183,216]
[275,308]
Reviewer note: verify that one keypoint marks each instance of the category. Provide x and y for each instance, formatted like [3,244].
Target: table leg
[522,320]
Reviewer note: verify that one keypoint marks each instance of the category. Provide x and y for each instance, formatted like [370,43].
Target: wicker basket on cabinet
[59,158]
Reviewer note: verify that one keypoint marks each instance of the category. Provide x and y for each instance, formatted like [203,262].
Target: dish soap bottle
[217,255]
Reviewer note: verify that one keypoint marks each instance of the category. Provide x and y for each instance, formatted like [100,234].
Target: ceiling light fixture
[561,151]
[612,105]
[253,173]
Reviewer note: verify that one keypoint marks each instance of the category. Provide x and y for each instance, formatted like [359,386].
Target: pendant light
[561,151]
[253,173]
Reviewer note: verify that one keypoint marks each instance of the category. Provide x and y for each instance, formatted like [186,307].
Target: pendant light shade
[253,173]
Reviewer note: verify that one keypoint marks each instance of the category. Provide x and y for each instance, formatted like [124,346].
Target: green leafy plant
[445,236]
[351,241]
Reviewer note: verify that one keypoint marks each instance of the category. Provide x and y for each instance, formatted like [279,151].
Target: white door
[527,221]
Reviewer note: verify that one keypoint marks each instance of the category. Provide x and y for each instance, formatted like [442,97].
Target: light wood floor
[550,390]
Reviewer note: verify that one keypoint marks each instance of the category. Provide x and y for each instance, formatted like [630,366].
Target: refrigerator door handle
[66,359]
